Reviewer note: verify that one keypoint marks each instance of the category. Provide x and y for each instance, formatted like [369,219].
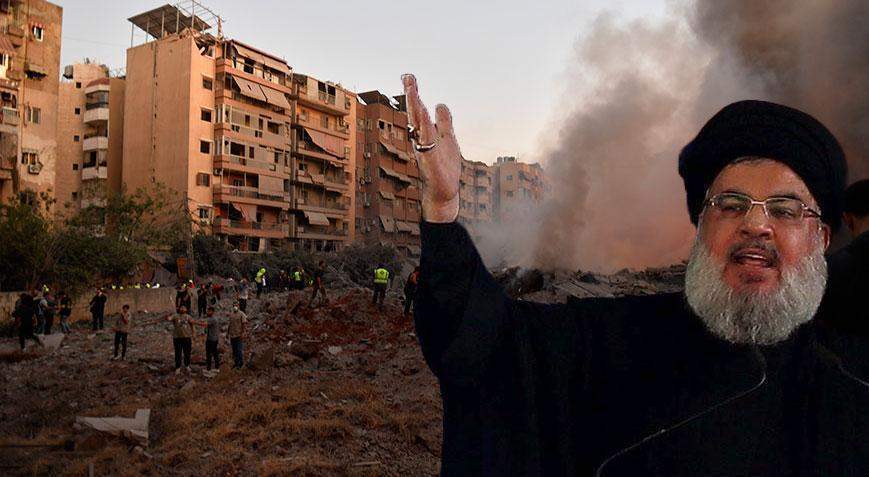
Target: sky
[499,65]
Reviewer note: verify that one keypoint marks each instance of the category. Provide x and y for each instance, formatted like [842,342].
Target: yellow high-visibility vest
[381,275]
[297,276]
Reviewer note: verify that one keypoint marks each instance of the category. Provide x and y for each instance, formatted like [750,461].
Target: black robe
[846,303]
[626,386]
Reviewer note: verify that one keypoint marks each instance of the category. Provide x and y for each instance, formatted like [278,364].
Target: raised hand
[437,154]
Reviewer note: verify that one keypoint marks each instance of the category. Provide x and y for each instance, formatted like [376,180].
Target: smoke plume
[643,89]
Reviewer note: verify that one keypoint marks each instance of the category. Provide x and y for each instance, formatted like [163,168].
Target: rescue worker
[381,281]
[98,309]
[260,281]
[317,286]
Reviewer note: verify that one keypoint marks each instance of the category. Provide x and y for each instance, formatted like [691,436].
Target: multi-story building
[90,135]
[519,187]
[475,195]
[262,156]
[30,36]
[323,162]
[388,196]
[210,119]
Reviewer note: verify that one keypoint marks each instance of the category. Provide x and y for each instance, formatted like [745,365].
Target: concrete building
[30,37]
[90,135]
[323,162]
[475,195]
[388,196]
[200,123]
[518,189]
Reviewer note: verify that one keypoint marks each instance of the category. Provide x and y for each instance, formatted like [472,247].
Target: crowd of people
[34,312]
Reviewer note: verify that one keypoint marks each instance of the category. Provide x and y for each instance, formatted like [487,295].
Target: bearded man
[733,377]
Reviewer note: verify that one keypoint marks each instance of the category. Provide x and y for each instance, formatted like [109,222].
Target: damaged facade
[261,155]
[475,195]
[89,136]
[30,37]
[518,188]
[387,194]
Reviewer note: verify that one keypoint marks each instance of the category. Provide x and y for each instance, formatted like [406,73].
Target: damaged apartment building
[261,155]
[30,38]
[387,195]
[90,135]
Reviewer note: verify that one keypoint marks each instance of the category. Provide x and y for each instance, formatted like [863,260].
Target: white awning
[387,195]
[250,89]
[275,97]
[316,218]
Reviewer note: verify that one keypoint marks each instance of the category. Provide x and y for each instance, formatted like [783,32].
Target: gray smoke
[645,88]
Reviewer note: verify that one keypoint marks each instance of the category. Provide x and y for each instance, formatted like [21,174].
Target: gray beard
[754,317]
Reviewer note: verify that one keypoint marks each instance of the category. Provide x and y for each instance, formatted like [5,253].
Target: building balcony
[93,202]
[97,85]
[252,229]
[94,172]
[335,209]
[95,142]
[244,164]
[250,195]
[319,232]
[244,133]
[309,150]
[321,101]
[96,112]
[9,121]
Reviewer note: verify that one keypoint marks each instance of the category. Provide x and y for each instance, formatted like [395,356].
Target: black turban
[769,130]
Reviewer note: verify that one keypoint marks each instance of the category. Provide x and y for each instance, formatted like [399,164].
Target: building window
[205,115]
[509,177]
[205,147]
[347,152]
[4,60]
[29,158]
[75,195]
[509,193]
[203,179]
[75,167]
[38,32]
[32,115]
[77,111]
[324,121]
[207,83]
[204,213]
[75,138]
[78,85]
[303,115]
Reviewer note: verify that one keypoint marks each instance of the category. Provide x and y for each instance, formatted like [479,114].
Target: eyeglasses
[782,210]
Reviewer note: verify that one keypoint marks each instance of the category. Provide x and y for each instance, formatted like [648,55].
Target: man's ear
[828,233]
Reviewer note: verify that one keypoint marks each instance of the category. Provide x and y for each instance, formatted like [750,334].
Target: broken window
[274,128]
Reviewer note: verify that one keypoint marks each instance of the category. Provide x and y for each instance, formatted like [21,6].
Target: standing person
[122,330]
[212,340]
[23,315]
[201,299]
[243,294]
[48,308]
[38,311]
[216,290]
[410,290]
[182,337]
[298,278]
[317,285]
[260,282]
[237,320]
[845,305]
[65,312]
[98,309]
[381,281]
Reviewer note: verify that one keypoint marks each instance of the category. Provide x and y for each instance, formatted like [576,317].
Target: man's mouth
[755,257]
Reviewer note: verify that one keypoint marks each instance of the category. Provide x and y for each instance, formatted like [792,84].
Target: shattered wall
[152,299]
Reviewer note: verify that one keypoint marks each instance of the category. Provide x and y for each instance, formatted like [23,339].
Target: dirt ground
[341,389]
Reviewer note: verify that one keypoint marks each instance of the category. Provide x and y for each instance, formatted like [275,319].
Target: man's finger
[417,112]
[445,124]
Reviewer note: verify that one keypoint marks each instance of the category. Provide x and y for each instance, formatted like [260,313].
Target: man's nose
[756,223]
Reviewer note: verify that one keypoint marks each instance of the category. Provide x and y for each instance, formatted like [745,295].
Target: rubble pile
[339,388]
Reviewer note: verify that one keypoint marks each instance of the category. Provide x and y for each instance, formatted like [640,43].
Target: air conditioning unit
[218,171]
[368,155]
[368,229]
[367,204]
[34,168]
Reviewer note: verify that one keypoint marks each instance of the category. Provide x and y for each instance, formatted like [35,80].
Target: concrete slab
[135,429]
